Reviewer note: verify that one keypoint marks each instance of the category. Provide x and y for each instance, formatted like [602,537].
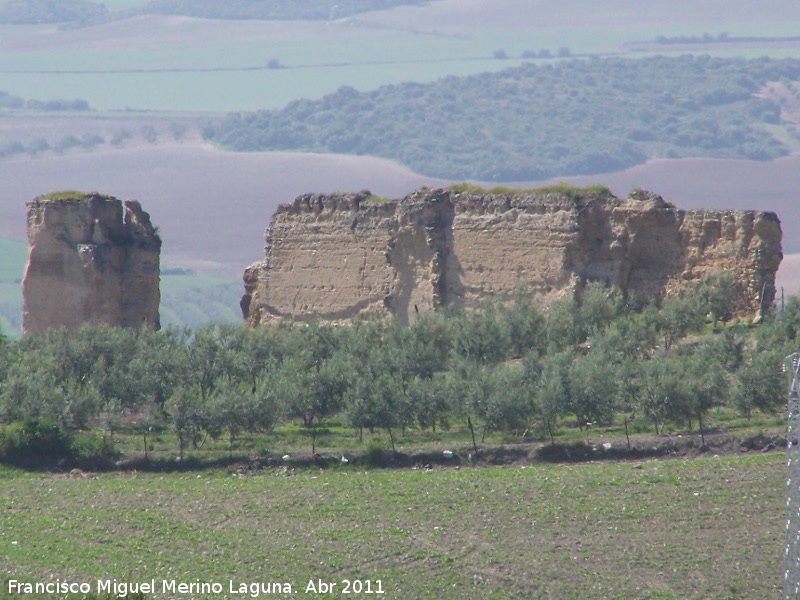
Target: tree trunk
[314,443]
[627,437]
[702,433]
[472,431]
[391,439]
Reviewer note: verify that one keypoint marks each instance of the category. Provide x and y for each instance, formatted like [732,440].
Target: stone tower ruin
[91,259]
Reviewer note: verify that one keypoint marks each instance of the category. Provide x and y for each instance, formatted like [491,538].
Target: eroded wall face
[501,244]
[419,252]
[745,243]
[90,260]
[337,257]
[326,258]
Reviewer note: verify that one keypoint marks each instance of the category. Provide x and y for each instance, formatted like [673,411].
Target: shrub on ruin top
[570,191]
[68,195]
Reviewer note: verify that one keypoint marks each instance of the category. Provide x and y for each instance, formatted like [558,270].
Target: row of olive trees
[502,368]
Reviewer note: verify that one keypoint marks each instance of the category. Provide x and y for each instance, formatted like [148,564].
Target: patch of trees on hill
[722,38]
[538,121]
[502,368]
[9,147]
[10,101]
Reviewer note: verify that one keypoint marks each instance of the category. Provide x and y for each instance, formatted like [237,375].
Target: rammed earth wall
[337,256]
[91,259]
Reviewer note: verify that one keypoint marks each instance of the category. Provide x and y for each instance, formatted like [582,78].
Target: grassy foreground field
[704,528]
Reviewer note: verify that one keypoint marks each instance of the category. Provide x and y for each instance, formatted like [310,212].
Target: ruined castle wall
[141,269]
[90,260]
[419,251]
[440,247]
[746,243]
[503,242]
[326,258]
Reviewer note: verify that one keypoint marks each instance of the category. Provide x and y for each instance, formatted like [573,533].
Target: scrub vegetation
[561,189]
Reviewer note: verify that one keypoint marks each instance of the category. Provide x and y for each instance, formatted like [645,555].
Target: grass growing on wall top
[374,199]
[565,189]
[65,195]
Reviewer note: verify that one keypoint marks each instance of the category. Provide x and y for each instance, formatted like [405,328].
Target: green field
[210,71]
[708,528]
[226,76]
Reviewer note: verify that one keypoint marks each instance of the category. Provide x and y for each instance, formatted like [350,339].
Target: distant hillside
[541,120]
[19,12]
[84,11]
[315,10]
